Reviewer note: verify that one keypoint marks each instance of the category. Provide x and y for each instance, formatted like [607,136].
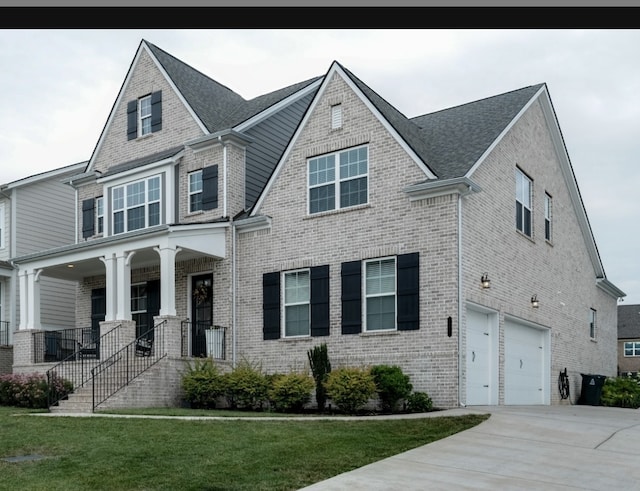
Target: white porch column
[123,285]
[111,292]
[29,299]
[167,279]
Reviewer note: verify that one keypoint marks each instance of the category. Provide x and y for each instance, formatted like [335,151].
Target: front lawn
[98,453]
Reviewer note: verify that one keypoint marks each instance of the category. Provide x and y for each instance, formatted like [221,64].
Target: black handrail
[76,366]
[121,368]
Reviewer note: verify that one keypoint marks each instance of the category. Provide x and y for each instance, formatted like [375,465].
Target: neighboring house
[453,244]
[36,213]
[628,339]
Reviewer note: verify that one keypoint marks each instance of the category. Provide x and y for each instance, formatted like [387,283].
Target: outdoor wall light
[534,302]
[484,281]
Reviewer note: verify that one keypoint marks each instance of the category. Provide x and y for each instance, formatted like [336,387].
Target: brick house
[453,244]
[628,339]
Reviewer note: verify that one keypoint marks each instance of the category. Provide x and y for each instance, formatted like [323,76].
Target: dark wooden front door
[201,312]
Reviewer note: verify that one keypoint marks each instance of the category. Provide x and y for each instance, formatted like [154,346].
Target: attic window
[144,115]
[336,116]
[523,202]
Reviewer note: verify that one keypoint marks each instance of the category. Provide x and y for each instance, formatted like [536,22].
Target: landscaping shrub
[621,392]
[320,368]
[289,393]
[29,390]
[246,386]
[203,384]
[419,402]
[391,386]
[350,388]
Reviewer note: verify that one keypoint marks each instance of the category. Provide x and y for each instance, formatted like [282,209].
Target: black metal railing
[4,333]
[79,350]
[203,340]
[120,369]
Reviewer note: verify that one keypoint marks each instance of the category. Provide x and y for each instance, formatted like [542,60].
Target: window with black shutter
[351,296]
[210,187]
[320,301]
[149,113]
[271,305]
[88,216]
[408,291]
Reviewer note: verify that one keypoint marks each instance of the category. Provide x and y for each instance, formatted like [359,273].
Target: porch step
[81,401]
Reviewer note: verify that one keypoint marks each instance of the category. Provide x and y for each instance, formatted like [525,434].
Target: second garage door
[525,364]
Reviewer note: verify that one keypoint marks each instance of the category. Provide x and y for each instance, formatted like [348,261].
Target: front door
[201,312]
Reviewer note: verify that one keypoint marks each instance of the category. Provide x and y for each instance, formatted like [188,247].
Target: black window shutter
[351,297]
[88,216]
[408,266]
[156,111]
[210,187]
[320,301]
[132,120]
[271,305]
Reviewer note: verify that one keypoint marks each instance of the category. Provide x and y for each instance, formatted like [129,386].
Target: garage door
[524,364]
[481,359]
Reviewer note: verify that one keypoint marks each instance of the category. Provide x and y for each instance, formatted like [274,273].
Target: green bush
[320,368]
[391,385]
[203,384]
[29,390]
[289,393]
[419,402]
[246,387]
[621,392]
[350,388]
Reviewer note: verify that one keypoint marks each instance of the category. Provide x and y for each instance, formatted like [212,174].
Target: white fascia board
[608,287]
[223,137]
[136,59]
[252,224]
[431,189]
[55,173]
[277,107]
[335,69]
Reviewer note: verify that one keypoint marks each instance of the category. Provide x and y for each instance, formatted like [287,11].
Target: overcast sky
[58,86]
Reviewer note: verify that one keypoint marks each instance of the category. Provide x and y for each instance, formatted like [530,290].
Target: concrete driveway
[517,448]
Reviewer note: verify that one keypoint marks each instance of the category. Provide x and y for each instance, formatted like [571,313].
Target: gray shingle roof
[628,321]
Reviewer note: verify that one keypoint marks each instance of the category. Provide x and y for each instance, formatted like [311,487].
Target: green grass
[172,454]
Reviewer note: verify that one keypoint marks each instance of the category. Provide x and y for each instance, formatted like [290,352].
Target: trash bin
[591,389]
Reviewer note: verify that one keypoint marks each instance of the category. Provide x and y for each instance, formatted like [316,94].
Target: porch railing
[120,369]
[203,340]
[4,333]
[76,365]
[63,344]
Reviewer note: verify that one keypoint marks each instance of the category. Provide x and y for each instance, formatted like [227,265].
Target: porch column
[123,285]
[29,299]
[110,286]
[167,279]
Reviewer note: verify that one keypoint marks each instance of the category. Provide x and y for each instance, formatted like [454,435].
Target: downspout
[233,294]
[460,395]
[224,176]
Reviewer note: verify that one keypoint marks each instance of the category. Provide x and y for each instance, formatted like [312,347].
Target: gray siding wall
[57,303]
[5,223]
[270,138]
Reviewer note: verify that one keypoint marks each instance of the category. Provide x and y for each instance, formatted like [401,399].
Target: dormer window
[144,115]
[136,205]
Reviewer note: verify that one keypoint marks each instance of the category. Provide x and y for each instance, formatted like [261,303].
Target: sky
[58,86]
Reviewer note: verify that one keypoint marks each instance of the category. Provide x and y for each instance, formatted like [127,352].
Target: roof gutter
[432,188]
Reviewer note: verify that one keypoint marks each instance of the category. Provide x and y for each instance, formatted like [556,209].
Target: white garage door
[524,364]
[481,359]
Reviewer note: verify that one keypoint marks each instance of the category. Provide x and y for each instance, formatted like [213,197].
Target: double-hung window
[99,215]
[592,324]
[380,294]
[195,191]
[297,296]
[136,205]
[548,210]
[523,203]
[632,348]
[144,115]
[338,180]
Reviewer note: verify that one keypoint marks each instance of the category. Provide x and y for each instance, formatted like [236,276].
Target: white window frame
[295,303]
[521,196]
[335,179]
[548,216]
[366,295]
[2,226]
[191,192]
[126,207]
[336,116]
[593,323]
[634,348]
[99,215]
[144,118]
